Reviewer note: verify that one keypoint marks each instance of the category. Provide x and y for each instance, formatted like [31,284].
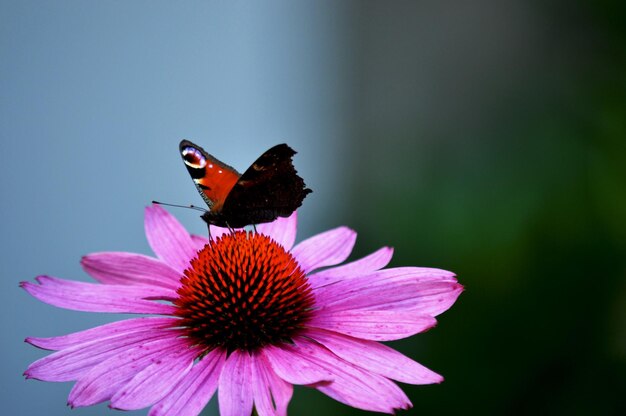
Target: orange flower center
[243,291]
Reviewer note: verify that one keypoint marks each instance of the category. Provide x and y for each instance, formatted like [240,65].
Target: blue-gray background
[483,137]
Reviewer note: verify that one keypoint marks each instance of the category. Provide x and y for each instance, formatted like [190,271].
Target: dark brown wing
[268,189]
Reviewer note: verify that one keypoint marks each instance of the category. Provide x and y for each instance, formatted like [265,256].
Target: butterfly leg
[254,228]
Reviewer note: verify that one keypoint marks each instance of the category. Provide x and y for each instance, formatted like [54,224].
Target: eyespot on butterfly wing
[268,189]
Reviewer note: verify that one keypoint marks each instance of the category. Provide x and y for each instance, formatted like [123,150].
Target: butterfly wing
[268,189]
[214,179]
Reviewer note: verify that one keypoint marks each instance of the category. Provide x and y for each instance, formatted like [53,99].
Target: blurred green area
[516,181]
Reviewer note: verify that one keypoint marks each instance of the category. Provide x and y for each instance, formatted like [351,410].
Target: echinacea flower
[246,314]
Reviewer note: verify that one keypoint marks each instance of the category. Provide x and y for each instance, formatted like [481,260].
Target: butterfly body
[268,189]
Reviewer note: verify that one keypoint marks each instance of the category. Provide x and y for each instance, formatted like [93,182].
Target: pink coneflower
[246,314]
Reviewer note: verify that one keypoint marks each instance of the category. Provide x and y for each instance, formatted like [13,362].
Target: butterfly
[268,189]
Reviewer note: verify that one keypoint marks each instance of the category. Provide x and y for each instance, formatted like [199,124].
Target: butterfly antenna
[181,206]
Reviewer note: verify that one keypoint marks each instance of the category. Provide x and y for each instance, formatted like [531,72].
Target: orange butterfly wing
[213,178]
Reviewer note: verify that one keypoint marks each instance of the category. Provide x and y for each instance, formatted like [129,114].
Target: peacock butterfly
[268,189]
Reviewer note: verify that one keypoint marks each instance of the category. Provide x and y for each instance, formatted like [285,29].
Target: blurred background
[486,137]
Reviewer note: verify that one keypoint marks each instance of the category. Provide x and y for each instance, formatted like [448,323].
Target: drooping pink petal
[73,363]
[325,249]
[130,269]
[282,230]
[102,381]
[91,297]
[168,238]
[101,333]
[295,366]
[371,263]
[271,393]
[235,390]
[373,325]
[194,391]
[403,289]
[152,383]
[375,357]
[354,386]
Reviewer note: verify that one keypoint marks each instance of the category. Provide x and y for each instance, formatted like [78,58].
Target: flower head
[243,292]
[246,314]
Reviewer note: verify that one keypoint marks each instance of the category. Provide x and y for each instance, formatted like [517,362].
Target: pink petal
[325,249]
[217,232]
[373,325]
[395,275]
[73,363]
[91,297]
[364,266]
[101,333]
[130,269]
[101,382]
[424,299]
[353,294]
[199,241]
[156,380]
[271,393]
[402,289]
[194,391]
[235,391]
[282,230]
[295,366]
[168,238]
[375,357]
[432,299]
[354,386]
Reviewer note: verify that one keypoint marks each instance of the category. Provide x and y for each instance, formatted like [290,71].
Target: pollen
[243,291]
